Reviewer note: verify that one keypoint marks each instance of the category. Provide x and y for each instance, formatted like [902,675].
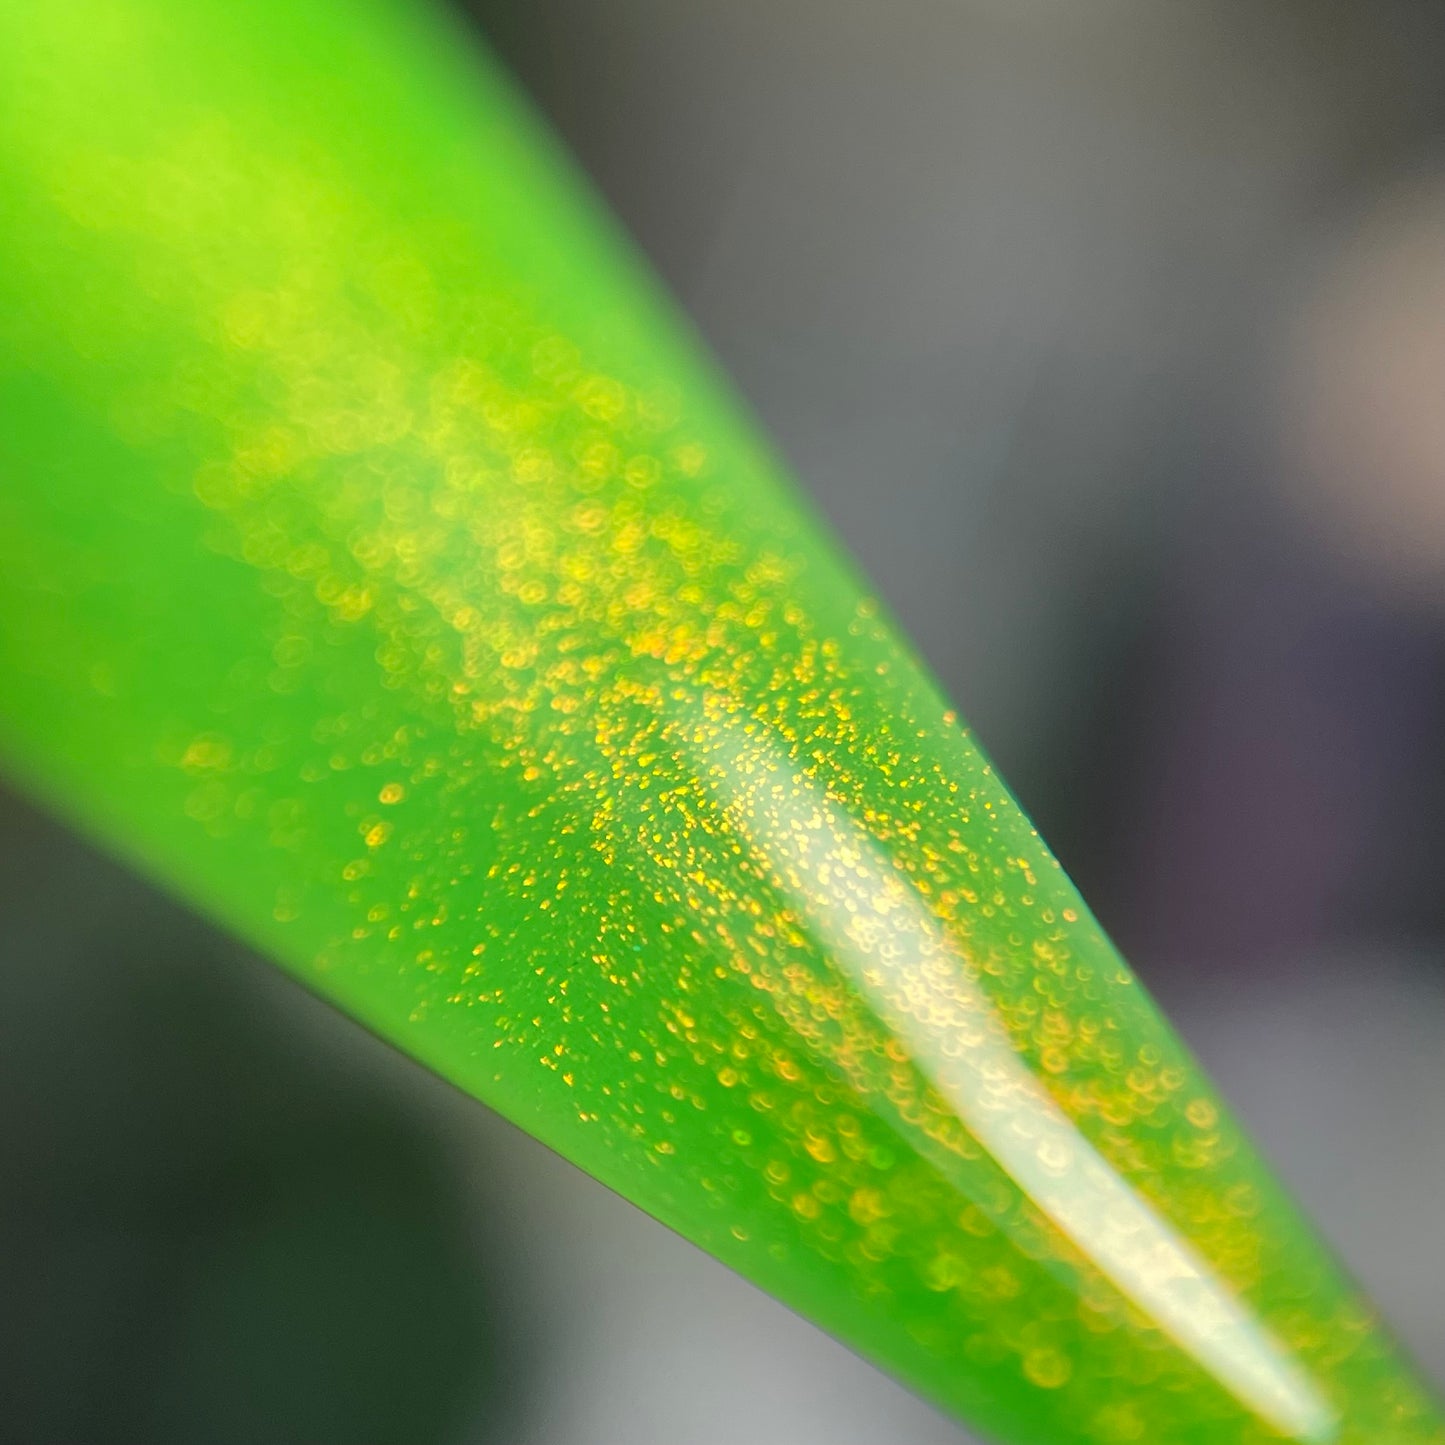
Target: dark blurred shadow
[209,1229]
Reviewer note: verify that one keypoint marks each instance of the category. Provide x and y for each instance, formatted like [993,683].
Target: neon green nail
[382,569]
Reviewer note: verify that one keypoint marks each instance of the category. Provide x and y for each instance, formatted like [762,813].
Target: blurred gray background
[1110,336]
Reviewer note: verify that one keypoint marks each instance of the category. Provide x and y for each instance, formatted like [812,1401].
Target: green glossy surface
[380,567]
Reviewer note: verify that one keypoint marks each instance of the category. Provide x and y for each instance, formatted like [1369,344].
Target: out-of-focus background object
[1111,337]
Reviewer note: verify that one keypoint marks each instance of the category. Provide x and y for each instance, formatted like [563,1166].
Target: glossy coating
[381,567]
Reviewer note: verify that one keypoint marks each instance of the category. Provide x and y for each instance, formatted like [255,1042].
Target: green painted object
[382,568]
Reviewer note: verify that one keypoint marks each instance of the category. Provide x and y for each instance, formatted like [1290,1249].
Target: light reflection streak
[879,930]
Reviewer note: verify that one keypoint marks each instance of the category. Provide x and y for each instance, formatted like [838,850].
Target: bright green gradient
[381,568]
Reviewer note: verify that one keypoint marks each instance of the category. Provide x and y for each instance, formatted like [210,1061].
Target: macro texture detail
[382,568]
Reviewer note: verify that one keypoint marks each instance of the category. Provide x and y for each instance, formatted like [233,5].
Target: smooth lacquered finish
[380,567]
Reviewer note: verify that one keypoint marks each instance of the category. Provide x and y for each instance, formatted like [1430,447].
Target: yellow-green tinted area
[381,567]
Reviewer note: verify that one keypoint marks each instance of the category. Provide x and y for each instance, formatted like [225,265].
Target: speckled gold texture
[381,567]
